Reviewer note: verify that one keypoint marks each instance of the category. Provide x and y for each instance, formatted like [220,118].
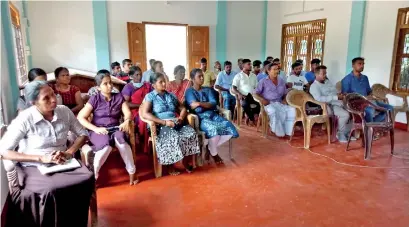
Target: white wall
[192,13]
[245,21]
[337,14]
[62,34]
[378,41]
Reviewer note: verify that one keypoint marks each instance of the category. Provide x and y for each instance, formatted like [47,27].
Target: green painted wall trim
[11,60]
[221,31]
[264,32]
[99,9]
[356,31]
[29,57]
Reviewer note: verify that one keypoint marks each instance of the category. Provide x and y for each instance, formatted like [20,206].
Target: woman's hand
[124,127]
[57,157]
[170,123]
[101,131]
[179,121]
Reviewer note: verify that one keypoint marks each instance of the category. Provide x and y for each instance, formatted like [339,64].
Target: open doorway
[166,43]
[173,44]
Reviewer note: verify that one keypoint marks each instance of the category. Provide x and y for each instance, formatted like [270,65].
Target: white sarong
[281,117]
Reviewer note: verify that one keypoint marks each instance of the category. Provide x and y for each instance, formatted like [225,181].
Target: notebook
[68,165]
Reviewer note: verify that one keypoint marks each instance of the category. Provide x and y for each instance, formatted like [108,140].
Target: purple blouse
[106,113]
[269,91]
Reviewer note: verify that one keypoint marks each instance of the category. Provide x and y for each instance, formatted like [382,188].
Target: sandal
[217,159]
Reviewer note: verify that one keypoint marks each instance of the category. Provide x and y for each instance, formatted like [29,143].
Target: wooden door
[198,46]
[137,44]
[401,82]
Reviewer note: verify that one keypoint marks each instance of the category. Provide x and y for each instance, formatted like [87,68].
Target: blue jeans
[370,112]
[229,101]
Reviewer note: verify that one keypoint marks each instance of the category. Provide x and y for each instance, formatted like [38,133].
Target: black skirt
[61,199]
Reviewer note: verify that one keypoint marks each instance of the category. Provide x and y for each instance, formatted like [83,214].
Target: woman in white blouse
[46,200]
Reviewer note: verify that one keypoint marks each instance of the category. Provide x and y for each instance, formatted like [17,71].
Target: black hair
[178,68]
[357,59]
[193,73]
[203,60]
[151,61]
[295,64]
[34,73]
[269,57]
[315,61]
[240,60]
[114,64]
[300,61]
[317,70]
[276,60]
[269,66]
[256,63]
[58,70]
[246,61]
[155,77]
[101,74]
[155,63]
[126,60]
[133,70]
[226,63]
[266,62]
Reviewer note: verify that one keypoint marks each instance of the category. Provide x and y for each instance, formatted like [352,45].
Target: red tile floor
[271,183]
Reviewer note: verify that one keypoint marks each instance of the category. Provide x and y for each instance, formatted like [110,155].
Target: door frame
[169,24]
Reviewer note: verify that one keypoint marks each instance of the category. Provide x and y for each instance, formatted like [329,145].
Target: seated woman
[70,94]
[201,101]
[158,68]
[35,74]
[134,93]
[180,84]
[271,92]
[46,200]
[174,140]
[104,128]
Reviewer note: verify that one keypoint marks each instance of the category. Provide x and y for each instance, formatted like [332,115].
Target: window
[302,40]
[19,45]
[400,62]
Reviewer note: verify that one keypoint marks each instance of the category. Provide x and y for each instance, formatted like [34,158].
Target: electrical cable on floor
[352,165]
[347,164]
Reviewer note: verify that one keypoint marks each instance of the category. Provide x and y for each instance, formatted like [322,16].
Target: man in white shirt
[296,80]
[146,76]
[324,91]
[244,84]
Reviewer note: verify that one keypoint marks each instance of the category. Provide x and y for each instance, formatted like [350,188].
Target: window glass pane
[404,74]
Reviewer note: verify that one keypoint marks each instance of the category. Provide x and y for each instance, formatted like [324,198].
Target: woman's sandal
[172,171]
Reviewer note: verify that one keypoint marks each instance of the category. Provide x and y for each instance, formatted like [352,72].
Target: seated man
[126,65]
[147,74]
[324,91]
[208,76]
[223,83]
[359,83]
[296,80]
[256,67]
[310,76]
[281,74]
[244,84]
[263,74]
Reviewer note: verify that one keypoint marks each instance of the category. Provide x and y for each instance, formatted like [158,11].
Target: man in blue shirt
[223,83]
[310,76]
[263,74]
[359,83]
[146,76]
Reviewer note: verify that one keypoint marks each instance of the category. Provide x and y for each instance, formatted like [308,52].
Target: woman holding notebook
[46,200]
